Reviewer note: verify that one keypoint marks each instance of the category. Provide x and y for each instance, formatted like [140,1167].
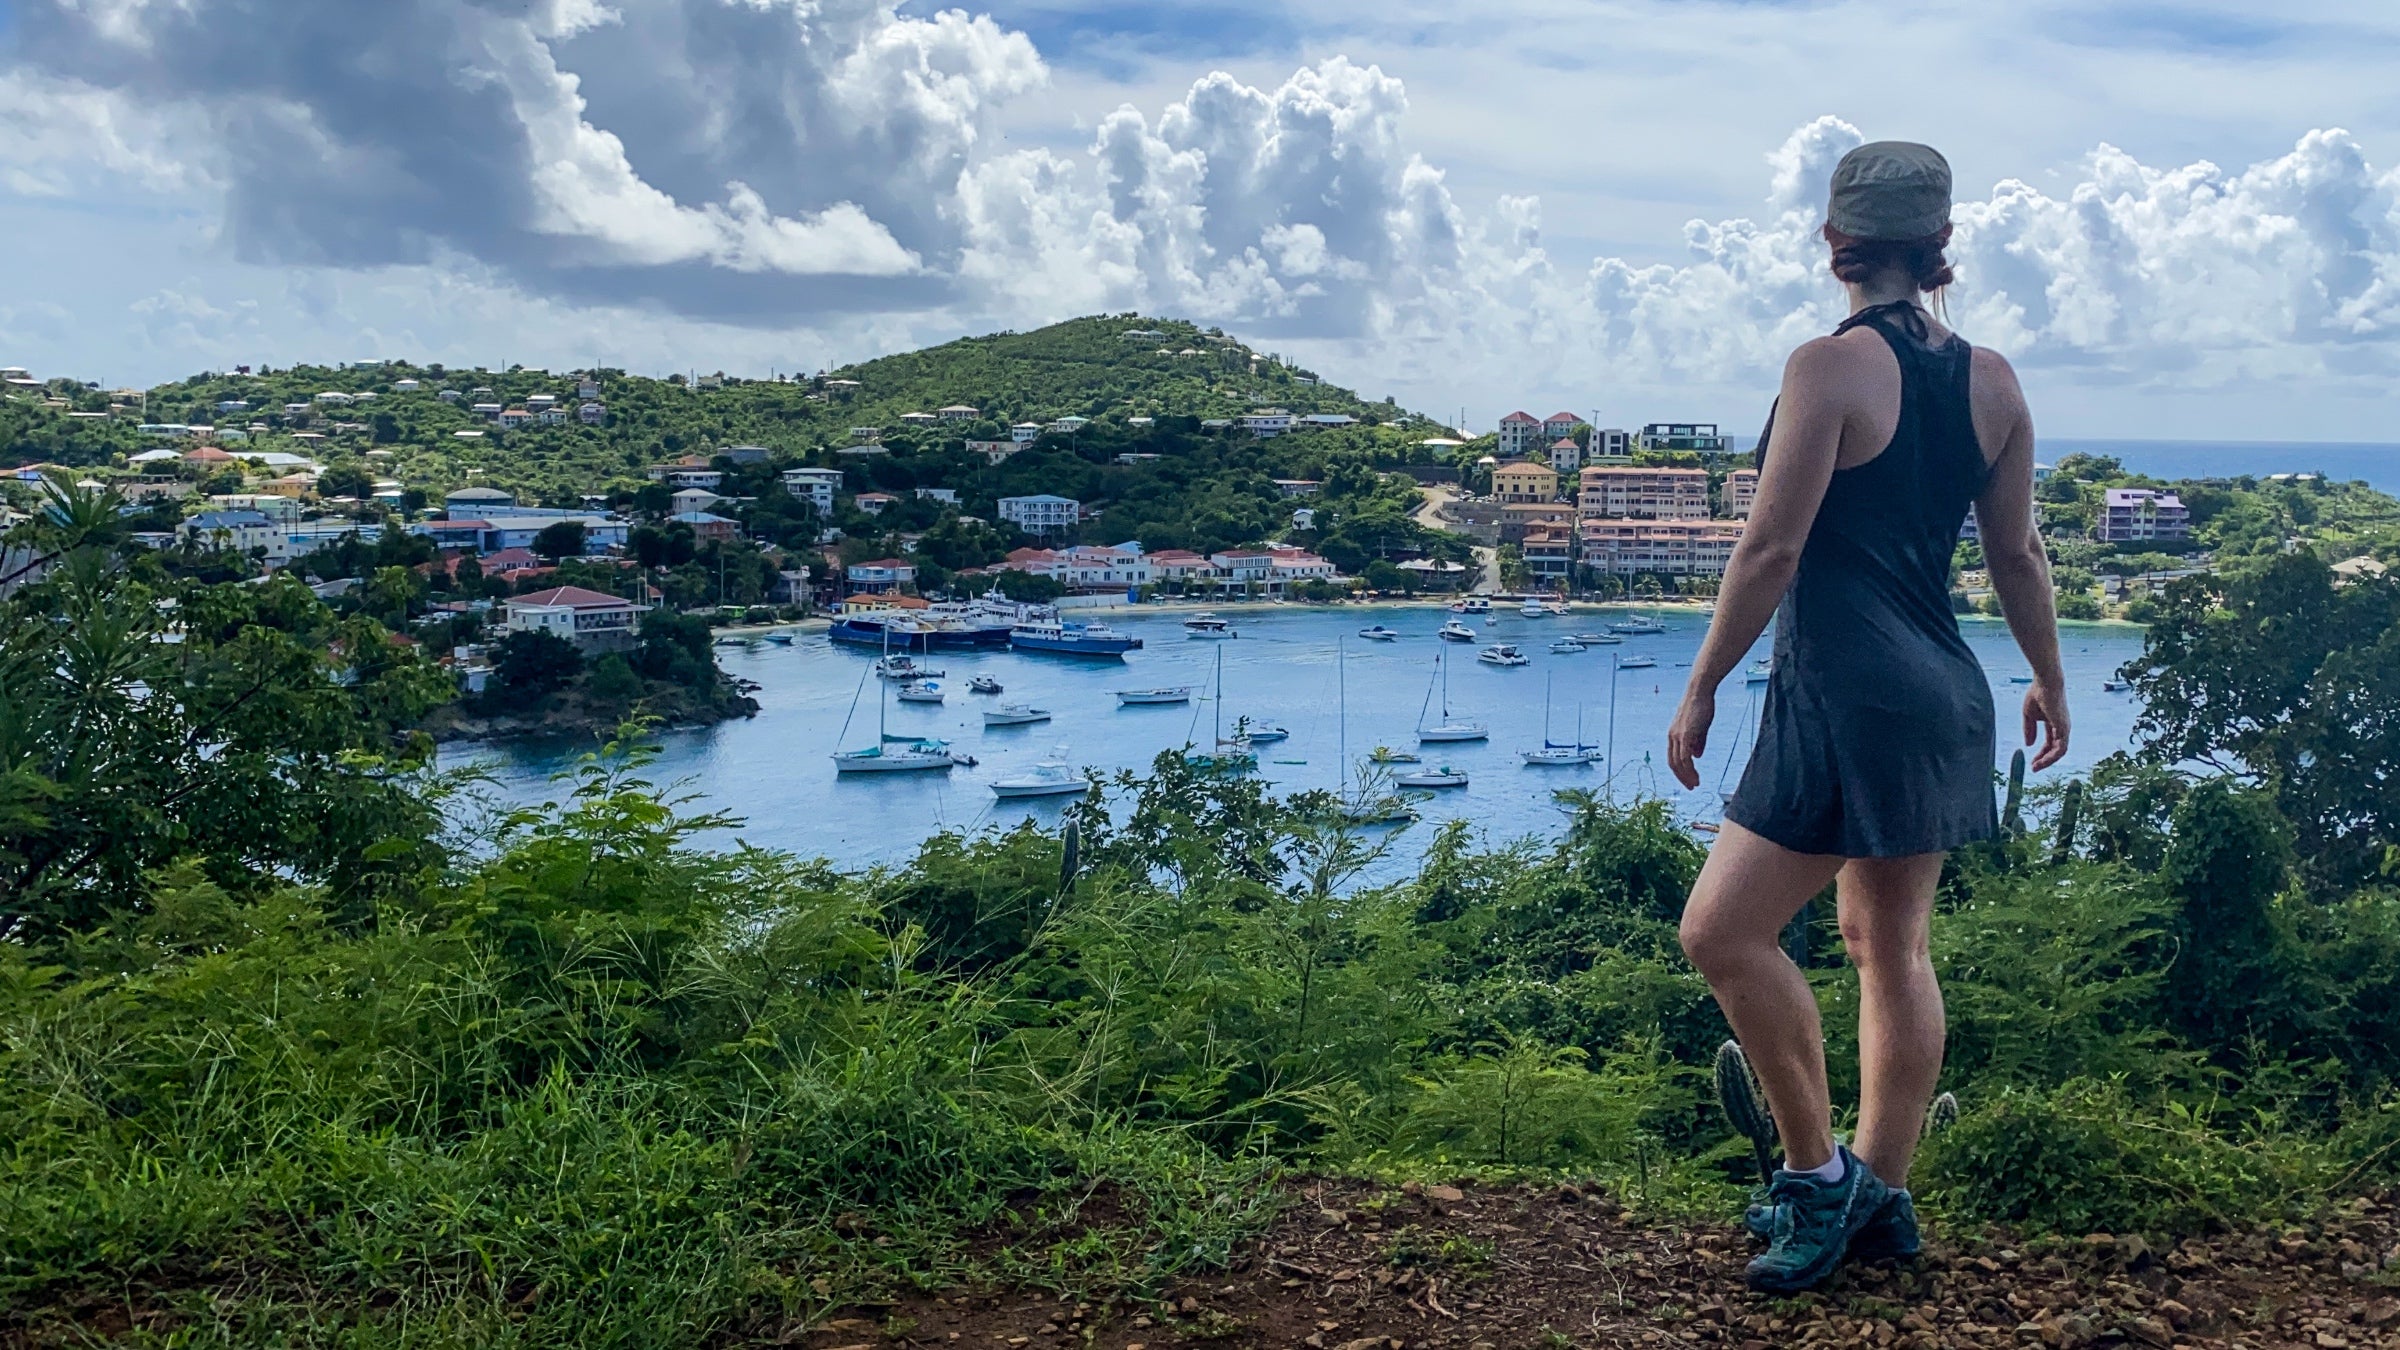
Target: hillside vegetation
[293,1036]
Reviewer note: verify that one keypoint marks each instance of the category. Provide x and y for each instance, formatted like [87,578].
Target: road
[1428,514]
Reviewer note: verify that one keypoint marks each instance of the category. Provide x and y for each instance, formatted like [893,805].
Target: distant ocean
[2376,463]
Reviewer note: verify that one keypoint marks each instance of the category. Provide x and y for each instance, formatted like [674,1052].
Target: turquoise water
[773,770]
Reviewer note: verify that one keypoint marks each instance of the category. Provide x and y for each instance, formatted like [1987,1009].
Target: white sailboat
[1443,777]
[1553,754]
[1363,807]
[1228,755]
[892,754]
[1449,728]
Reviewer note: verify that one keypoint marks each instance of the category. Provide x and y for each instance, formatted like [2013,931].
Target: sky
[2179,220]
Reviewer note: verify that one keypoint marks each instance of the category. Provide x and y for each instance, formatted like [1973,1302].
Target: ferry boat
[1443,777]
[1207,626]
[1473,604]
[983,684]
[1641,625]
[1014,715]
[1502,654]
[1065,638]
[1131,698]
[1454,631]
[1379,633]
[1050,778]
[923,691]
[903,631]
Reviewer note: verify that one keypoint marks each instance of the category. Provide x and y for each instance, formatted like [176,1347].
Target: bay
[774,770]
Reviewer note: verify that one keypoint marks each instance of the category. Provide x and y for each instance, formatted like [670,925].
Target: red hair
[1855,260]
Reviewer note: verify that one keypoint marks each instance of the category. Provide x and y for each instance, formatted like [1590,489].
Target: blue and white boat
[1072,639]
[1641,625]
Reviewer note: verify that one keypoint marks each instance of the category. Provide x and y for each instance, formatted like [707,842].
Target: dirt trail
[1359,1267]
[1429,515]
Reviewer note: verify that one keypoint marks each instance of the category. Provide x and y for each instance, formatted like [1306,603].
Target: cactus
[2070,813]
[1745,1106]
[2012,817]
[1070,854]
[1941,1113]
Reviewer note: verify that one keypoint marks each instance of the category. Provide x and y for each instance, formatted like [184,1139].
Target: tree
[1383,576]
[560,539]
[467,577]
[2279,675]
[533,662]
[346,480]
[1028,587]
[613,681]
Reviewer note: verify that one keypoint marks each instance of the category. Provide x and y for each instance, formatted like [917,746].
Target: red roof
[574,597]
[1519,417]
[458,524]
[879,562]
[1562,417]
[1567,441]
[208,452]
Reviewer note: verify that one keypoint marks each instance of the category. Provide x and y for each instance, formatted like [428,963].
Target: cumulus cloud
[788,166]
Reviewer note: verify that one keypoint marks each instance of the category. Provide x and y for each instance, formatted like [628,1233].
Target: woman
[1874,753]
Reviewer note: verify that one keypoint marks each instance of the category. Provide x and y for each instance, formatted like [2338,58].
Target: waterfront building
[2128,515]
[880,576]
[1643,493]
[1625,547]
[592,621]
[1550,554]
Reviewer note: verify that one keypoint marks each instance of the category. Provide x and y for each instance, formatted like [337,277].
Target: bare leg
[1749,889]
[1886,915]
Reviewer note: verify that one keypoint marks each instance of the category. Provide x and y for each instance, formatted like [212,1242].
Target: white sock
[1830,1173]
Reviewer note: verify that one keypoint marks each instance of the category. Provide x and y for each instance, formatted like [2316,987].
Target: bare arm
[1805,442]
[2020,570]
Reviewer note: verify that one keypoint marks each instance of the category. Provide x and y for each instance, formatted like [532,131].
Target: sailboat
[1449,728]
[1229,756]
[1553,754]
[1363,807]
[894,754]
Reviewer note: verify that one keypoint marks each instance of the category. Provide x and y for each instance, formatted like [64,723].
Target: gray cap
[1890,190]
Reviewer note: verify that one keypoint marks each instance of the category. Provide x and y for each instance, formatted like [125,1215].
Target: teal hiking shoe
[1814,1224]
[1891,1233]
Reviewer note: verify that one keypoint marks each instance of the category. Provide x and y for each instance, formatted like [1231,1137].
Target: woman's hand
[2046,707]
[1687,735]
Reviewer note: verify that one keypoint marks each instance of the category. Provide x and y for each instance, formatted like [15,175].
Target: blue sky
[2178,219]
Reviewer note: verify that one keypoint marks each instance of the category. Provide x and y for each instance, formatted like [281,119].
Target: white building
[1025,433]
[589,619]
[1520,432]
[1042,513]
[958,412]
[814,486]
[1267,422]
[241,531]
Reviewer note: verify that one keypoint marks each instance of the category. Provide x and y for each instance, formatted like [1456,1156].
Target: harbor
[818,698]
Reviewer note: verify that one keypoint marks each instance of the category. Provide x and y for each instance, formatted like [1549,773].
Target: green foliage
[1028,588]
[534,663]
[2088,1156]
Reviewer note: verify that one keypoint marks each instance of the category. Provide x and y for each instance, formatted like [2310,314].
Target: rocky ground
[1354,1266]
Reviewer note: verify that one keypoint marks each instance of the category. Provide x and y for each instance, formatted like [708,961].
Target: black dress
[1876,740]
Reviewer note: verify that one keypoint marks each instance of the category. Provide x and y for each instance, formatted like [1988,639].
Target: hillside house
[592,621]
[1043,513]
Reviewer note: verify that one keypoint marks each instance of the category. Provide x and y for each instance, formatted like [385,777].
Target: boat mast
[1341,718]
[1613,659]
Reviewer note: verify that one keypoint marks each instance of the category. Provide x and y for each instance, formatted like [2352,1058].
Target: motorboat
[1176,693]
[1450,728]
[1640,625]
[897,757]
[1067,638]
[780,639]
[923,691]
[1473,604]
[1534,609]
[1566,646]
[1050,778]
[1207,626]
[1757,672]
[1599,639]
[1637,663]
[983,684]
[2114,686]
[1014,715]
[1443,777]
[1502,654]
[1384,754]
[2020,679]
[904,668]
[1260,733]
[1454,631]
[1379,633]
